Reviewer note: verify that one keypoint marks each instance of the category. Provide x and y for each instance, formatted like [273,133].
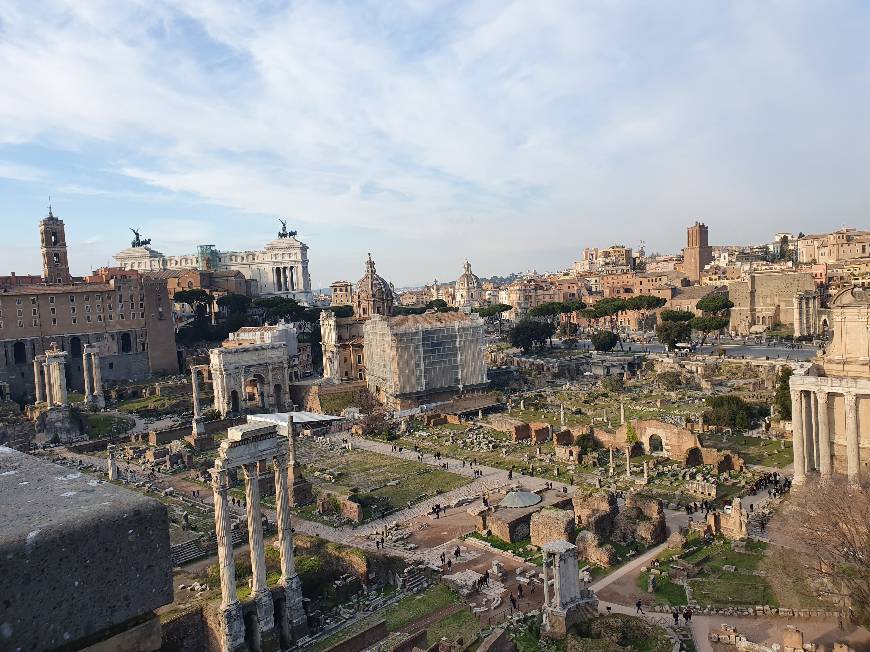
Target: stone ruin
[517,429]
[332,503]
[640,521]
[566,602]
[792,641]
[552,524]
[733,526]
[245,447]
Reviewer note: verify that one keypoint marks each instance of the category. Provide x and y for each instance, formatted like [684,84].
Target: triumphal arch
[279,617]
[250,376]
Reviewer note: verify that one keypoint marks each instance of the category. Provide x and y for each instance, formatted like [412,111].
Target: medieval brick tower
[697,253]
[52,238]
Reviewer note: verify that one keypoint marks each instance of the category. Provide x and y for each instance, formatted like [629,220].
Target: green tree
[436,304]
[604,340]
[782,397]
[669,380]
[671,332]
[198,299]
[715,304]
[643,303]
[234,304]
[527,333]
[613,384]
[278,308]
[708,325]
[676,315]
[549,310]
[497,310]
[732,411]
[630,434]
[342,311]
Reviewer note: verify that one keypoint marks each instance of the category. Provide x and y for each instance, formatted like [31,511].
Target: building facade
[468,290]
[764,301]
[831,398]
[126,318]
[280,268]
[845,244]
[417,359]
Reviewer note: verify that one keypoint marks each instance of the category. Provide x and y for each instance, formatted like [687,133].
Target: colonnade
[49,376]
[811,436]
[284,278]
[232,622]
[93,376]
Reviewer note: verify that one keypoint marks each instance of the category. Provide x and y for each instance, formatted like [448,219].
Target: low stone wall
[161,437]
[364,639]
[518,430]
[185,631]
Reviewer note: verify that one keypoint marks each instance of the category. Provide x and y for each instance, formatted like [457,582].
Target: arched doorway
[277,398]
[19,353]
[75,347]
[126,343]
[694,457]
[255,391]
[234,401]
[655,445]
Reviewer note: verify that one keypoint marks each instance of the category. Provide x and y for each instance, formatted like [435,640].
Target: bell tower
[52,239]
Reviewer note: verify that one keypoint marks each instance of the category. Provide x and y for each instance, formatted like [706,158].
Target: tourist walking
[638,607]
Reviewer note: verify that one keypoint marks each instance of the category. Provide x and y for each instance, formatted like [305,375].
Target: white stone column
[38,378]
[814,435]
[98,380]
[612,464]
[797,427]
[49,388]
[628,461]
[60,375]
[853,452]
[289,577]
[232,626]
[197,427]
[546,581]
[824,434]
[260,591]
[112,465]
[557,583]
[87,374]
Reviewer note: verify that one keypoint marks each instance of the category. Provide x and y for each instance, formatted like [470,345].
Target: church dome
[468,280]
[374,295]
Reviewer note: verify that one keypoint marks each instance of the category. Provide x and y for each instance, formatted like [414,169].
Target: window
[72,298]
[72,310]
[87,308]
[88,319]
[53,311]
[20,323]
[20,312]
[35,311]
[359,359]
[17,302]
[53,321]
[87,297]
[36,322]
[142,315]
[33,301]
[120,316]
[99,318]
[51,299]
[74,320]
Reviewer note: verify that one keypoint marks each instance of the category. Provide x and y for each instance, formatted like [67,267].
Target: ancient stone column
[853,460]
[60,380]
[49,388]
[562,414]
[87,374]
[260,591]
[557,583]
[646,471]
[824,436]
[289,578]
[627,461]
[38,378]
[813,435]
[198,427]
[621,412]
[546,581]
[612,464]
[797,428]
[112,465]
[232,625]
[98,380]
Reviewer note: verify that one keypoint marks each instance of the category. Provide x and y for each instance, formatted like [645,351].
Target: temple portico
[830,399]
[246,448]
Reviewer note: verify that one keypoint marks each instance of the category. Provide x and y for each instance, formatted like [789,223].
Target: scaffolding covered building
[417,359]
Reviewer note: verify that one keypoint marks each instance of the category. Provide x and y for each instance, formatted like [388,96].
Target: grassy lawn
[665,590]
[521,549]
[414,607]
[381,482]
[102,425]
[462,624]
[754,450]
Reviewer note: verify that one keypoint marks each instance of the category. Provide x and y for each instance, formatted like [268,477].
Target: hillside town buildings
[280,268]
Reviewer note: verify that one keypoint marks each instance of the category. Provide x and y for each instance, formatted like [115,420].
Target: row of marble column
[230,607]
[285,278]
[811,436]
[49,377]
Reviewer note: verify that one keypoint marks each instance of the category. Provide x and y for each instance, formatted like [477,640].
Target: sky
[426,132]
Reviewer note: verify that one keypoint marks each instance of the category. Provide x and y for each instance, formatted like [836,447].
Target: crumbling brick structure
[552,524]
[518,430]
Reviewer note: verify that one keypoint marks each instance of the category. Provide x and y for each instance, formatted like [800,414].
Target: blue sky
[428,131]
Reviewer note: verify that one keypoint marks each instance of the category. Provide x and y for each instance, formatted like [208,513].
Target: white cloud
[465,122]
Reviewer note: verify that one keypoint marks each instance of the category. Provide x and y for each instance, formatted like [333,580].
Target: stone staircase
[415,579]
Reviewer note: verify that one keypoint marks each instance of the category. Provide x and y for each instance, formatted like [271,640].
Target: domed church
[373,296]
[468,290]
